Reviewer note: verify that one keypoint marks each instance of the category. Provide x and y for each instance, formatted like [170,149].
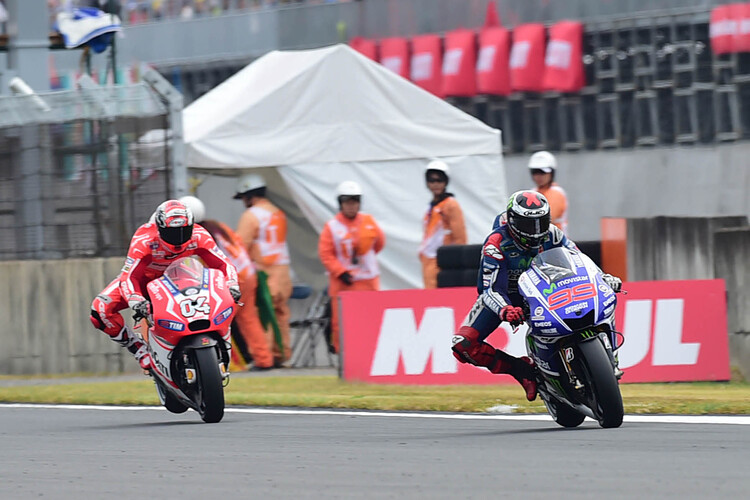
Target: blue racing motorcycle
[571,337]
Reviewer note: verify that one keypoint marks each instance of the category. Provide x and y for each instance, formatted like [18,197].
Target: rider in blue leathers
[517,236]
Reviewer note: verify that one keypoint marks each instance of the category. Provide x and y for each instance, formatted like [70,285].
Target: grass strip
[700,398]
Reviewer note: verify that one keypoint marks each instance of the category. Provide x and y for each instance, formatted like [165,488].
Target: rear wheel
[210,388]
[604,390]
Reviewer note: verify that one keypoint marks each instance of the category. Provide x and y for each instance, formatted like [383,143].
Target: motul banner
[365,46]
[527,58]
[459,64]
[563,63]
[673,330]
[426,60]
[493,76]
[394,55]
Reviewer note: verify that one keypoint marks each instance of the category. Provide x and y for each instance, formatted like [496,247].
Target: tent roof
[325,105]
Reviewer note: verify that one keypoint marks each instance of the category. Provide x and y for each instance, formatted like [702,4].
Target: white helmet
[196,206]
[249,182]
[544,161]
[348,188]
[439,165]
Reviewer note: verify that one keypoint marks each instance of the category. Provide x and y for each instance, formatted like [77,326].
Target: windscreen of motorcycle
[185,273]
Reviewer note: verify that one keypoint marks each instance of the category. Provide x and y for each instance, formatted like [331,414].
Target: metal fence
[80,170]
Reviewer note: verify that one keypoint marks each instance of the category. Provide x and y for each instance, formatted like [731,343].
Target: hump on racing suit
[148,257]
[503,262]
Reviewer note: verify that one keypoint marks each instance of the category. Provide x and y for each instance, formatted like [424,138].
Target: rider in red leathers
[154,246]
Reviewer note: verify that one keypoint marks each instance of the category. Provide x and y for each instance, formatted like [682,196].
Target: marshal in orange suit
[347,247]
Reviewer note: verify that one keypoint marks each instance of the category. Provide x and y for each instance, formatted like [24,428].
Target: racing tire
[564,415]
[604,387]
[210,386]
[169,400]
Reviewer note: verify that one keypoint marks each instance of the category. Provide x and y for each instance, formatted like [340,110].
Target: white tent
[318,117]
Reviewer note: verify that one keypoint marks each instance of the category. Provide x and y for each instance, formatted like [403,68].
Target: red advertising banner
[527,58]
[394,55]
[365,46]
[426,61]
[404,336]
[493,76]
[722,29]
[459,64]
[563,64]
[741,14]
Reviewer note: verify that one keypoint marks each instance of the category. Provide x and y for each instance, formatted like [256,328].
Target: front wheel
[563,414]
[169,400]
[604,390]
[210,389]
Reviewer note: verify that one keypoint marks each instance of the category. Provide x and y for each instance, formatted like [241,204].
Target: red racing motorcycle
[189,337]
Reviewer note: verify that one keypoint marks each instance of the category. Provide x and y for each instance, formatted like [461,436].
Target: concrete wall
[679,248]
[676,182]
[732,264]
[45,310]
[46,329]
[676,248]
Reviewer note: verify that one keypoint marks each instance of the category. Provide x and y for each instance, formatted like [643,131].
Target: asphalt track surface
[110,452]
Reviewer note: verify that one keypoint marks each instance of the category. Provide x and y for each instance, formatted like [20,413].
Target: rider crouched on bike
[170,235]
[517,236]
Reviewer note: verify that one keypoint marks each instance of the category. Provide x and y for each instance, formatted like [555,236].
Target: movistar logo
[552,288]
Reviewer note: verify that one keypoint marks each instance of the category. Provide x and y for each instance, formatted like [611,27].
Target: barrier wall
[46,327]
[732,264]
[672,248]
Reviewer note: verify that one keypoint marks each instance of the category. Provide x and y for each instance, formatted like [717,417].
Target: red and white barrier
[674,331]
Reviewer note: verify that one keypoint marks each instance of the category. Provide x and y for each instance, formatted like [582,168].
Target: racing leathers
[503,262]
[147,259]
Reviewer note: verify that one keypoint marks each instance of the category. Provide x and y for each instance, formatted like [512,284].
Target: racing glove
[346,278]
[614,282]
[142,309]
[234,291]
[512,314]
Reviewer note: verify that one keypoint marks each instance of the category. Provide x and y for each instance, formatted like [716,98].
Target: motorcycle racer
[517,236]
[171,234]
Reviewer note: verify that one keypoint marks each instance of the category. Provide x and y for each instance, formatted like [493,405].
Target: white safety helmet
[249,182]
[348,188]
[439,165]
[196,206]
[544,161]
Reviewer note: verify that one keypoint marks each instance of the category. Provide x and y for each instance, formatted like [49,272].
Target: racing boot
[522,369]
[524,372]
[133,344]
[140,352]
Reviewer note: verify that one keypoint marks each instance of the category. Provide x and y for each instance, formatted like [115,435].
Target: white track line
[664,419]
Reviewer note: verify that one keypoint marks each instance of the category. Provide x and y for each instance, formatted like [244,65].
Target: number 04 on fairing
[189,337]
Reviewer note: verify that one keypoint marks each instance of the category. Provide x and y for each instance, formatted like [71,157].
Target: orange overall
[558,205]
[262,229]
[258,340]
[350,245]
[443,225]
